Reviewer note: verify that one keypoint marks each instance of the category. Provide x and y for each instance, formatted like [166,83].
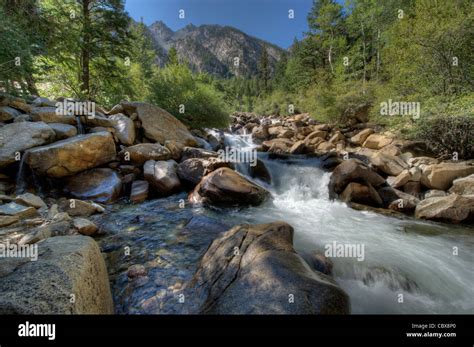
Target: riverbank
[155,195]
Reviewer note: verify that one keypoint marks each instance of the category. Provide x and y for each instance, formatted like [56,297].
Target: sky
[264,19]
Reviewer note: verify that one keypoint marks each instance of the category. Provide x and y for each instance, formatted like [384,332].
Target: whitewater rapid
[409,266]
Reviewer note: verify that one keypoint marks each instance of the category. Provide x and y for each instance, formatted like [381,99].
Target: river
[408,266]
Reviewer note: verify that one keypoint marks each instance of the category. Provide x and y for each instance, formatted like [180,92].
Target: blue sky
[265,19]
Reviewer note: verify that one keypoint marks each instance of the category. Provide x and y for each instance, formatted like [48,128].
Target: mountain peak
[213,48]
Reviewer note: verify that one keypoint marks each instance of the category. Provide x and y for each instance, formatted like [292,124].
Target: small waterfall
[80,127]
[245,146]
[21,183]
[400,256]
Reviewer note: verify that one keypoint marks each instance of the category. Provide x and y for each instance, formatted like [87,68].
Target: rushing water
[401,256]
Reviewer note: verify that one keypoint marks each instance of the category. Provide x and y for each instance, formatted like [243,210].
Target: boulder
[192,170]
[388,164]
[377,141]
[73,155]
[192,152]
[408,175]
[352,170]
[361,194]
[397,200]
[29,199]
[8,220]
[432,193]
[316,134]
[49,115]
[413,188]
[175,148]
[261,132]
[441,176]
[359,138]
[452,208]
[32,135]
[225,187]
[124,128]
[84,226]
[139,154]
[18,103]
[162,176]
[8,113]
[279,145]
[66,265]
[254,269]
[63,131]
[159,125]
[100,185]
[463,186]
[80,208]
[139,191]
[325,146]
[298,147]
[338,136]
[18,210]
[260,171]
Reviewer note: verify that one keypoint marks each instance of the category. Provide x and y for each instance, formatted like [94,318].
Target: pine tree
[172,58]
[264,70]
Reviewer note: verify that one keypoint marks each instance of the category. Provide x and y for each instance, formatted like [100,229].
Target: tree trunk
[85,50]
[378,53]
[363,57]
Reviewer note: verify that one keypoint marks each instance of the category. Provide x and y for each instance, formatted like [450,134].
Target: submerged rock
[73,155]
[139,191]
[254,269]
[225,187]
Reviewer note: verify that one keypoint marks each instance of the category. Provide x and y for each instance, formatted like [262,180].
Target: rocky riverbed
[183,230]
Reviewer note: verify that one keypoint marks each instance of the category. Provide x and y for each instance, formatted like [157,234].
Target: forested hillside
[362,54]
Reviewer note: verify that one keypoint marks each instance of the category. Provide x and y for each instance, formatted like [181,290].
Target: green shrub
[448,134]
[175,85]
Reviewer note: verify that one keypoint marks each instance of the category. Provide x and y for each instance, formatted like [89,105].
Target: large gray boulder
[69,277]
[73,155]
[225,187]
[159,125]
[254,269]
[18,137]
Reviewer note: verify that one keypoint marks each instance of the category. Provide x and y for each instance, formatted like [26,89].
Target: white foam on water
[402,256]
